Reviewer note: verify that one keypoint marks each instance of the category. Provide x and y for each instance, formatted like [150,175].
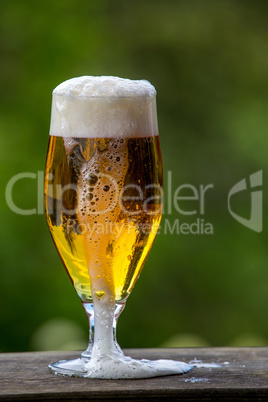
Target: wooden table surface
[242,374]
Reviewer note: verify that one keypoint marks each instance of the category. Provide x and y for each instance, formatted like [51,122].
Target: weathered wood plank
[242,375]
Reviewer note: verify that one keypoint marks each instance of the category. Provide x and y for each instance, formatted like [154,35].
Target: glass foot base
[121,367]
[72,368]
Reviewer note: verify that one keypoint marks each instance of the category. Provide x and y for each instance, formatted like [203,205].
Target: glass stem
[89,310]
[119,307]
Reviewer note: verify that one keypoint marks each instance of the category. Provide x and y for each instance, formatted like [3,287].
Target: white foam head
[98,107]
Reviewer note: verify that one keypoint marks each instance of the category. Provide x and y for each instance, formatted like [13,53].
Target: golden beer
[103,200]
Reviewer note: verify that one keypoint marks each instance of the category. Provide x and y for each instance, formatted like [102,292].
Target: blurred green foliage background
[209,62]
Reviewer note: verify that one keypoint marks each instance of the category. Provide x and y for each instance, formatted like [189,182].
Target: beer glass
[103,201]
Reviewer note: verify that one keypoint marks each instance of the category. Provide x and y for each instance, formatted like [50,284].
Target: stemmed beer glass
[103,201]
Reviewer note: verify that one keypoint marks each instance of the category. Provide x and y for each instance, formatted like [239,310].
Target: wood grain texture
[241,376]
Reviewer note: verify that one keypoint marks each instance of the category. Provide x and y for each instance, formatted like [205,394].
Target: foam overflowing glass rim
[98,107]
[107,86]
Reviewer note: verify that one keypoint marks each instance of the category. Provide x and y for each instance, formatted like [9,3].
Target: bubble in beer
[106,188]
[92,179]
[90,196]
